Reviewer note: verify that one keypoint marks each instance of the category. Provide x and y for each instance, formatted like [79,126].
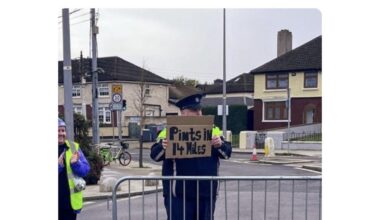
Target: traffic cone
[254,153]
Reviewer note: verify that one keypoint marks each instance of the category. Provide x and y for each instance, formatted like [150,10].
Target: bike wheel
[105,159]
[125,158]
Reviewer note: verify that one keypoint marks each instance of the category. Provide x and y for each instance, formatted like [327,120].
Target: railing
[239,197]
[235,140]
[260,140]
[304,136]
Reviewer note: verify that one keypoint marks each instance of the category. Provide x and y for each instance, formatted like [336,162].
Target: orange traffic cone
[254,153]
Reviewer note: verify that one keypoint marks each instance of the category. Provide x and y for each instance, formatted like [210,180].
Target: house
[117,71]
[300,70]
[239,91]
[239,99]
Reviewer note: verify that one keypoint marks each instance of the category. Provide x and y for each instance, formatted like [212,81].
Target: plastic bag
[79,184]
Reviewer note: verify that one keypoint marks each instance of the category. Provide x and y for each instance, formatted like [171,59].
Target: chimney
[284,42]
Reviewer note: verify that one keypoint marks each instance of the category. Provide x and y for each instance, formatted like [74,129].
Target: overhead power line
[75,10]
[73,18]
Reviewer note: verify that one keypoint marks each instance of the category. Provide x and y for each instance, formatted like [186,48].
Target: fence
[303,136]
[239,197]
[260,140]
[235,140]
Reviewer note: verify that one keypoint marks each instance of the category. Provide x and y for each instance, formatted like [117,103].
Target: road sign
[116,98]
[116,106]
[220,109]
[117,89]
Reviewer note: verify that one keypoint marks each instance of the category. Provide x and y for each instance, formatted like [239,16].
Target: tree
[81,127]
[181,80]
[139,104]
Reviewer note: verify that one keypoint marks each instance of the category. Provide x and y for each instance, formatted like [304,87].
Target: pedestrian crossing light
[124,104]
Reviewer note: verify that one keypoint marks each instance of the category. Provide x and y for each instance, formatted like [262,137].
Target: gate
[260,140]
[239,197]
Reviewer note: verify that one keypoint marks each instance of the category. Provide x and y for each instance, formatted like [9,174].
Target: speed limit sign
[116,98]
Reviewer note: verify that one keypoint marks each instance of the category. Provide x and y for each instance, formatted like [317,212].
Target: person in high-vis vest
[70,201]
[199,198]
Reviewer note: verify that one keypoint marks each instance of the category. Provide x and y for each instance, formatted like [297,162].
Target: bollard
[269,146]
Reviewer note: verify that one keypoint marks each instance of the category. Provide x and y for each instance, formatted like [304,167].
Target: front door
[309,116]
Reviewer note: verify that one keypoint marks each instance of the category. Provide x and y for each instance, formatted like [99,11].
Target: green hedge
[236,120]
[81,127]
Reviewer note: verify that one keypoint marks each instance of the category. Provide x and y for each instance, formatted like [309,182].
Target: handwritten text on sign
[189,136]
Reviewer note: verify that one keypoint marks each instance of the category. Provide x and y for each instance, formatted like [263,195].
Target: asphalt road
[244,199]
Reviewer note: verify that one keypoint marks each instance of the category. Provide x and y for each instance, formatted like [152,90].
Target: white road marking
[312,171]
[246,161]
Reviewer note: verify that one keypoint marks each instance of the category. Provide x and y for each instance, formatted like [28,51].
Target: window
[277,81]
[275,111]
[103,90]
[149,113]
[76,91]
[104,115]
[147,89]
[311,80]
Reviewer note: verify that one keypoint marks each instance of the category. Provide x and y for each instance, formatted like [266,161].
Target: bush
[81,127]
[96,168]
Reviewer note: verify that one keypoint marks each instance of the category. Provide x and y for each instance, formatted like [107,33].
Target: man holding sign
[190,146]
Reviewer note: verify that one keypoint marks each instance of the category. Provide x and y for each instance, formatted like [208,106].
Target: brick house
[300,70]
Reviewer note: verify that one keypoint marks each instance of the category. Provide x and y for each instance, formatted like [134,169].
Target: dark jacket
[204,166]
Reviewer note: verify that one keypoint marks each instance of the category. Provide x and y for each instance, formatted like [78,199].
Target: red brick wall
[297,114]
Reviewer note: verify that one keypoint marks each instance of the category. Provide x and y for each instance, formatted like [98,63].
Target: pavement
[135,187]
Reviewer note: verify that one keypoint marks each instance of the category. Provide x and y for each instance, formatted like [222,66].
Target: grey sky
[189,42]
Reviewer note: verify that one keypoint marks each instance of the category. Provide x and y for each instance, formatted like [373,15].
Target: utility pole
[83,84]
[289,109]
[67,76]
[224,76]
[95,118]
[119,123]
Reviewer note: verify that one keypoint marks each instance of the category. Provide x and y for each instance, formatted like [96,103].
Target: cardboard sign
[189,136]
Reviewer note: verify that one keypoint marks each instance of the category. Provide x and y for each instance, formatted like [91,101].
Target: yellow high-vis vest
[76,198]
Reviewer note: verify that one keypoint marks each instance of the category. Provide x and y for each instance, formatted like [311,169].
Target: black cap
[190,102]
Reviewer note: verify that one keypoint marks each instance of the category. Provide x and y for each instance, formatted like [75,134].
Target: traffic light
[124,104]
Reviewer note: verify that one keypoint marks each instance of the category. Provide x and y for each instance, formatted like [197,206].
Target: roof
[229,101]
[305,57]
[240,84]
[115,68]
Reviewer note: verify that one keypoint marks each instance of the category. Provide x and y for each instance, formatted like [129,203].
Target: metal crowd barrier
[253,197]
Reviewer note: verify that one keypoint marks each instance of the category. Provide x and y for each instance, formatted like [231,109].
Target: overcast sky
[189,42]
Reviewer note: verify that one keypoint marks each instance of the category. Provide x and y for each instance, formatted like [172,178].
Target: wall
[246,139]
[297,86]
[109,131]
[296,83]
[297,118]
[302,145]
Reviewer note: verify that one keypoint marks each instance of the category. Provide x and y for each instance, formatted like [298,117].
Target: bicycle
[122,154]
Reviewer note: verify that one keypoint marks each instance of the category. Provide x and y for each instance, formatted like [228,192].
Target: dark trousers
[177,205]
[67,215]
